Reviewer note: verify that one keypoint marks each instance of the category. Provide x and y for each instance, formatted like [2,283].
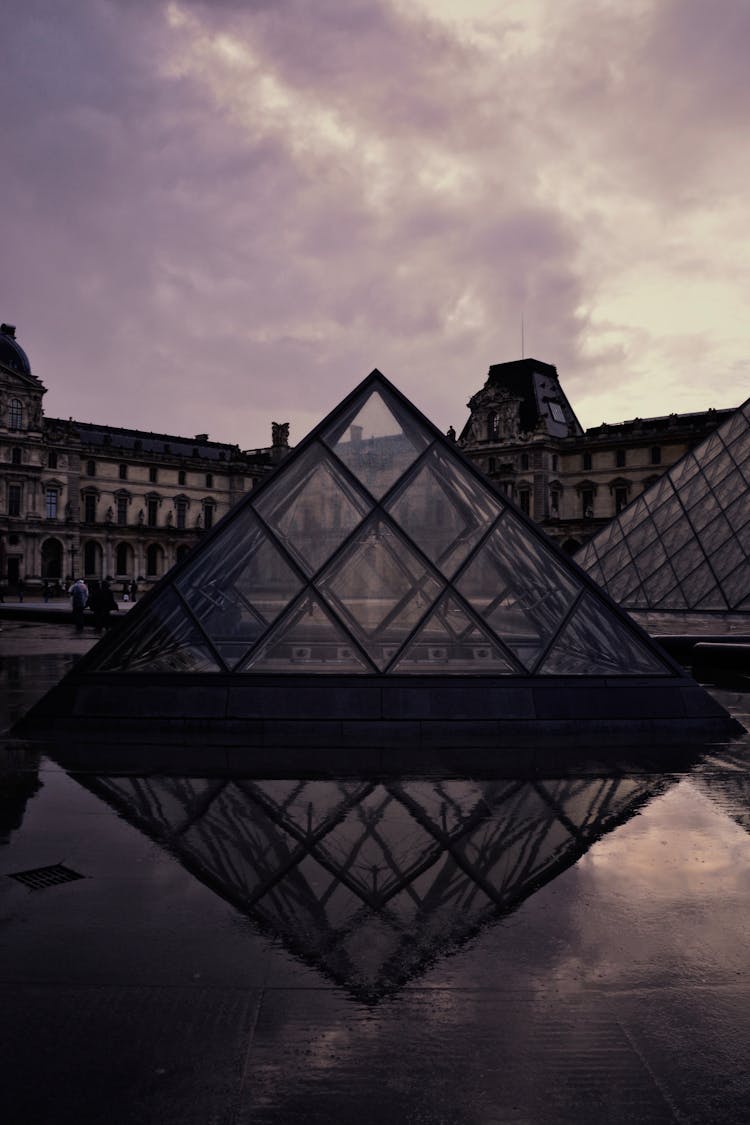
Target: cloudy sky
[219,213]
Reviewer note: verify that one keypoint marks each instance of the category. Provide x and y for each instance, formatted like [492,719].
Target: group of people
[98,598]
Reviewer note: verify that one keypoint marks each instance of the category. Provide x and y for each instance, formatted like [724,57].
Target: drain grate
[41,877]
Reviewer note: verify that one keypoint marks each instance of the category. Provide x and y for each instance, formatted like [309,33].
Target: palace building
[78,498]
[524,434]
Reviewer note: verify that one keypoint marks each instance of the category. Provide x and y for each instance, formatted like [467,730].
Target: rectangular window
[153,474]
[14,499]
[208,515]
[181,507]
[209,480]
[554,503]
[587,461]
[122,510]
[89,508]
[181,476]
[123,472]
[621,499]
[91,468]
[656,455]
[524,500]
[587,503]
[152,511]
[50,504]
[620,458]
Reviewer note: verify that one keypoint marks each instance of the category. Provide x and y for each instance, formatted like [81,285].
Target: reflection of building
[371,882]
[77,498]
[524,434]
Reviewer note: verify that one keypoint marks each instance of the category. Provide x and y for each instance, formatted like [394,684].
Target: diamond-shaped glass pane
[307,639]
[312,508]
[518,587]
[595,644]
[163,638]
[452,641]
[737,585]
[377,440]
[444,510]
[381,587]
[238,586]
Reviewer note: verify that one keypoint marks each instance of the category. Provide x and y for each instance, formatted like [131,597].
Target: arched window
[123,559]
[208,515]
[154,556]
[15,414]
[52,555]
[92,560]
[182,551]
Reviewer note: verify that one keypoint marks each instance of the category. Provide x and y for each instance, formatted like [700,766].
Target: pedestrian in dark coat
[101,604]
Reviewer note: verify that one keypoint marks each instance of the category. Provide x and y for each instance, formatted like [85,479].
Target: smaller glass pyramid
[684,544]
[375,548]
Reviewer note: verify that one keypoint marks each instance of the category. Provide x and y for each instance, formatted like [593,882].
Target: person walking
[101,604]
[133,590]
[79,593]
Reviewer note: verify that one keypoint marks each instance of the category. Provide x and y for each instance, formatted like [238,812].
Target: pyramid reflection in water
[369,881]
[684,544]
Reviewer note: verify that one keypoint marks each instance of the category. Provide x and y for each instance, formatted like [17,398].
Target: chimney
[8,330]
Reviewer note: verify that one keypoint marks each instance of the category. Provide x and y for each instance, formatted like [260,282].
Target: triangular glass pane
[444,509]
[307,639]
[238,585]
[659,493]
[634,599]
[162,637]
[452,641]
[381,588]
[733,428]
[377,440]
[712,600]
[675,599]
[631,516]
[730,488]
[595,644]
[687,559]
[725,558]
[719,468]
[683,470]
[737,585]
[740,446]
[519,588]
[312,508]
[656,585]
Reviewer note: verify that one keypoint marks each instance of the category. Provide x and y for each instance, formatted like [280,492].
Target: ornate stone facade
[81,499]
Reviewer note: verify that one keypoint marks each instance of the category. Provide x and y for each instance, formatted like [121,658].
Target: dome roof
[12,354]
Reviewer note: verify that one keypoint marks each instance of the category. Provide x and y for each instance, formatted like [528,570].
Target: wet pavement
[433,950]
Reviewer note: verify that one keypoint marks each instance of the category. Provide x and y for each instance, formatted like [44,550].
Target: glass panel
[651,558]
[162,637]
[587,557]
[312,508]
[453,642]
[737,586]
[659,493]
[687,559]
[658,584]
[693,490]
[307,639]
[719,468]
[607,537]
[730,488]
[740,447]
[738,512]
[616,559]
[677,535]
[683,470]
[444,510]
[673,600]
[726,557]
[697,584]
[712,600]
[703,512]
[621,586]
[708,449]
[377,440]
[641,537]
[519,588]
[733,428]
[632,515]
[595,644]
[636,599]
[717,532]
[381,588]
[238,585]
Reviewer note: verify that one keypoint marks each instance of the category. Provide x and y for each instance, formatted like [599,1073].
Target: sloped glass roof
[376,548]
[684,544]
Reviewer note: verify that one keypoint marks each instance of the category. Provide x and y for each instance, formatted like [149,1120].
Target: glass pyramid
[684,544]
[375,548]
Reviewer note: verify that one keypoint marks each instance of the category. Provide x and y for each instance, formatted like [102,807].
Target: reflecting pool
[568,946]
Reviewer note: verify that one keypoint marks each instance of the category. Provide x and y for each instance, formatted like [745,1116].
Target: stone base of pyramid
[263,715]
